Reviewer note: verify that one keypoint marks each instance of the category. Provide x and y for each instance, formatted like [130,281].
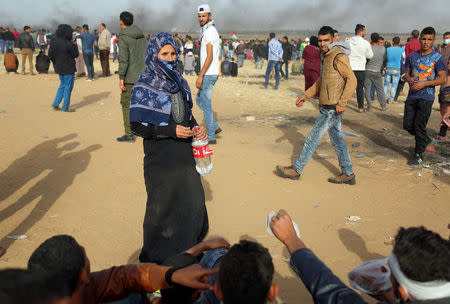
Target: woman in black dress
[160,111]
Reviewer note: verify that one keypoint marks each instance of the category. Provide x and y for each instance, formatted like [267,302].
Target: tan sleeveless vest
[333,83]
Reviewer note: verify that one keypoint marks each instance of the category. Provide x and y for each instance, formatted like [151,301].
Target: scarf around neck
[204,28]
[151,95]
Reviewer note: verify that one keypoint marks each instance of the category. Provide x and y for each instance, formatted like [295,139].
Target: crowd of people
[176,264]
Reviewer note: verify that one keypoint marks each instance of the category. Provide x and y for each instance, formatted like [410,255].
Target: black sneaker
[126,138]
[218,130]
[55,108]
[416,160]
[212,142]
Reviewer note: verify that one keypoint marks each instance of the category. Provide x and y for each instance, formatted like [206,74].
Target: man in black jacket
[287,54]
[9,39]
[62,53]
[419,264]
[26,44]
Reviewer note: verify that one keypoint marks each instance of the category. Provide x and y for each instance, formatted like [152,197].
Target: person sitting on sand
[11,62]
[42,63]
[419,264]
[62,255]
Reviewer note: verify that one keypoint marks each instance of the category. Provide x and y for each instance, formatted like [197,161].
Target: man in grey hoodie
[373,72]
[132,45]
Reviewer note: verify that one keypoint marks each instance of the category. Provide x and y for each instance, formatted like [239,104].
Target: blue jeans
[89,62]
[204,103]
[2,45]
[64,91]
[273,64]
[258,60]
[133,298]
[9,45]
[392,75]
[240,59]
[329,121]
[209,261]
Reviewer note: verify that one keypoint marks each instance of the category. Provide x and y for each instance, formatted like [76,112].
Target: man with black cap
[209,59]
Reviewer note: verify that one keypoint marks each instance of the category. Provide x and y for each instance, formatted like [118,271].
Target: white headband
[419,290]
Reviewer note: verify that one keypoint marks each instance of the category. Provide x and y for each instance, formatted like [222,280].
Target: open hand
[184,132]
[122,85]
[194,277]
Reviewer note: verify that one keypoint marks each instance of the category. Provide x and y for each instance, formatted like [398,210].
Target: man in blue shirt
[275,60]
[425,69]
[393,64]
[88,43]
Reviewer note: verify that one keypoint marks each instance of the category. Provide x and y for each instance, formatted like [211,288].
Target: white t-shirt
[210,36]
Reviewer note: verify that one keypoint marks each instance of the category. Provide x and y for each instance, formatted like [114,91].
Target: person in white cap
[209,59]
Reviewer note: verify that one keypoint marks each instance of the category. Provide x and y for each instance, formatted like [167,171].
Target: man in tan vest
[336,85]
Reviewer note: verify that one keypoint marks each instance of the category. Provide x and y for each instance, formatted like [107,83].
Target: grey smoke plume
[385,16]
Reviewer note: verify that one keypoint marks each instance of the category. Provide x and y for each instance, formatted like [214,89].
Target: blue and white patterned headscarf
[151,95]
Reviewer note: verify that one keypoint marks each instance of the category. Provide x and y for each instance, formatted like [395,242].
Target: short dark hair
[428,31]
[285,37]
[40,287]
[415,33]
[272,35]
[102,24]
[61,255]
[26,27]
[246,274]
[396,40]
[446,34]
[423,255]
[86,27]
[127,18]
[359,28]
[374,37]
[325,30]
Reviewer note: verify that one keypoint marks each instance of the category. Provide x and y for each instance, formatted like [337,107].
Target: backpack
[226,68]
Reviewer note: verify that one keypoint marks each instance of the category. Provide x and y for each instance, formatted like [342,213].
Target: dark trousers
[89,62]
[286,65]
[360,78]
[415,119]
[104,60]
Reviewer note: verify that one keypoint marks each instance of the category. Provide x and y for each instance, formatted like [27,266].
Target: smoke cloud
[386,16]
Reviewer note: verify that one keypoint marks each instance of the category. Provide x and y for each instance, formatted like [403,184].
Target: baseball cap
[204,8]
[307,39]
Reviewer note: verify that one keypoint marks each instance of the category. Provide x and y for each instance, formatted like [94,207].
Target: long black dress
[175,218]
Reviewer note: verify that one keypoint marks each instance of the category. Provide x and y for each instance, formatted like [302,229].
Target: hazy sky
[234,15]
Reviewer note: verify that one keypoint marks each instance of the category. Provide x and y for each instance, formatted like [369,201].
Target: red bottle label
[201,152]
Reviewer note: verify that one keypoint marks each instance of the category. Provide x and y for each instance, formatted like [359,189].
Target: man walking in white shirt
[360,52]
[209,59]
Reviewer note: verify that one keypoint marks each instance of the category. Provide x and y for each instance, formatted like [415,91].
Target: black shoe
[212,142]
[55,108]
[416,160]
[218,130]
[129,138]
[69,110]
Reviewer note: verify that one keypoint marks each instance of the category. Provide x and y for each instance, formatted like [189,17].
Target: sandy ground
[64,173]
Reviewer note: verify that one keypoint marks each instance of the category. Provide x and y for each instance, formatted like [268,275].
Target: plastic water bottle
[202,156]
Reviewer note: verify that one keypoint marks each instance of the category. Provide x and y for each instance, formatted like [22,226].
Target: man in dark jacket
[132,45]
[42,63]
[9,38]
[419,265]
[62,53]
[287,54]
[26,44]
